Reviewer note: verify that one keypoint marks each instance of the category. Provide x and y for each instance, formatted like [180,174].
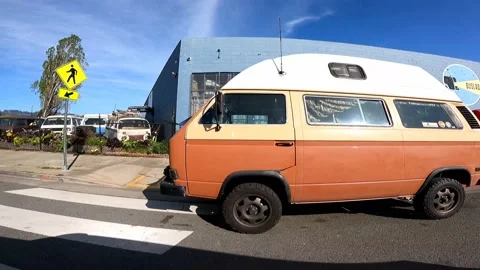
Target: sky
[127,42]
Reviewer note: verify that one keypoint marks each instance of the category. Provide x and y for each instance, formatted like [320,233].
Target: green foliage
[145,147]
[55,143]
[130,144]
[6,136]
[96,141]
[134,146]
[159,147]
[19,141]
[67,49]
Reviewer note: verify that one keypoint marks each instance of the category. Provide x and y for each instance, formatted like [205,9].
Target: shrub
[19,141]
[35,140]
[135,146]
[96,141]
[9,137]
[113,143]
[55,141]
[159,147]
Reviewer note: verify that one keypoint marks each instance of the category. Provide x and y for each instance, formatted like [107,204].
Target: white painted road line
[117,202]
[136,238]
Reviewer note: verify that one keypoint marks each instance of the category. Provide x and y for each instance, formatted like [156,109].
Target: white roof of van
[62,116]
[93,115]
[310,72]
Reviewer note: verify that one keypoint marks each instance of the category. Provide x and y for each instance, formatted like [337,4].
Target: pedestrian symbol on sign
[73,73]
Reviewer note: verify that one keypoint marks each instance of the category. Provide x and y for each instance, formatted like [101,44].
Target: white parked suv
[55,124]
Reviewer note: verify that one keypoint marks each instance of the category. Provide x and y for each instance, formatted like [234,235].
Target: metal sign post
[65,166]
[71,75]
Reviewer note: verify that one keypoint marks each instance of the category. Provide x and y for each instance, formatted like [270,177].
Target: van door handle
[284,144]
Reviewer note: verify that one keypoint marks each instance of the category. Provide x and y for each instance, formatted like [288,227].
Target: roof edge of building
[326,42]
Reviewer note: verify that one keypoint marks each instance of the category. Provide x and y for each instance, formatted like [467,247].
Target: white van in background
[99,121]
[131,128]
[55,123]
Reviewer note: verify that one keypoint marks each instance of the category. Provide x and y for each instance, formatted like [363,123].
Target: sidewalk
[131,172]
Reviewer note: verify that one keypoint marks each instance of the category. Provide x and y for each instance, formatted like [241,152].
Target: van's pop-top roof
[311,72]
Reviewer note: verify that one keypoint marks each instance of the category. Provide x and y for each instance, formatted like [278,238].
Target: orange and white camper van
[326,128]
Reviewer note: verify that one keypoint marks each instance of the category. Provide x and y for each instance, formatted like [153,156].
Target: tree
[67,49]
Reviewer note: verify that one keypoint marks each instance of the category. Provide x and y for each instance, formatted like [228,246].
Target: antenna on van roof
[281,72]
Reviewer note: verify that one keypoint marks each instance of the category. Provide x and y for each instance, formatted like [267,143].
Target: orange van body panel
[177,155]
[342,170]
[476,175]
[421,158]
[207,182]
[325,163]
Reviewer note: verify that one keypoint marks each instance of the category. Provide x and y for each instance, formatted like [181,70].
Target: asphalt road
[43,228]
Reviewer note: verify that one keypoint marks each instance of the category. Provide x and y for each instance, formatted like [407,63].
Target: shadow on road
[73,161]
[209,210]
[59,253]
[386,208]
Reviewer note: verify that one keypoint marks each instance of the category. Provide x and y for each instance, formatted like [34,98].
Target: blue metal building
[198,67]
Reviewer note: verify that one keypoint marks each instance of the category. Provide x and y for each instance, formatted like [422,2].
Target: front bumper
[167,185]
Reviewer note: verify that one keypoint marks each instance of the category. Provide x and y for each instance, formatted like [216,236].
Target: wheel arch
[458,173]
[271,178]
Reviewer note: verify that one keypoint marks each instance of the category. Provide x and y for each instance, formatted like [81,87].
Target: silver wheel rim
[446,199]
[252,210]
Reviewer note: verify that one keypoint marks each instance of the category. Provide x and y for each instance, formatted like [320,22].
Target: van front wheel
[252,208]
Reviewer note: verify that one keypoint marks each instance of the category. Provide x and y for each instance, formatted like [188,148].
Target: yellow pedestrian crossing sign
[71,74]
[68,94]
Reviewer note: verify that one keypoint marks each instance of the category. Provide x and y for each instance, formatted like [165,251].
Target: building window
[346,111]
[417,114]
[250,109]
[205,85]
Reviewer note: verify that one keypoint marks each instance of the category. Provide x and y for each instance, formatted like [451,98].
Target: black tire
[257,199]
[445,193]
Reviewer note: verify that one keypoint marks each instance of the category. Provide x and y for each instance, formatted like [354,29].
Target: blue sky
[127,42]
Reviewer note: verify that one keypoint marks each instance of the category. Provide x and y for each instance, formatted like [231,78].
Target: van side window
[250,109]
[345,111]
[420,114]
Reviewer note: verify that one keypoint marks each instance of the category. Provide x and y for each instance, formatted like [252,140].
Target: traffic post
[72,75]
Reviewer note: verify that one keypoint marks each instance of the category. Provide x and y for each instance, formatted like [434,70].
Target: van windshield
[133,124]
[95,121]
[56,121]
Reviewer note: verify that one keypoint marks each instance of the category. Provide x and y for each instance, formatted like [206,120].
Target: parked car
[329,129]
[129,128]
[98,121]
[55,124]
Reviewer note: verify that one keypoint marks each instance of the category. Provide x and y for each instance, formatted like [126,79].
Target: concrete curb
[56,178]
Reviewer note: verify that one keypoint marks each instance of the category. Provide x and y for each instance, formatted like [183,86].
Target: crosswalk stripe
[117,202]
[116,235]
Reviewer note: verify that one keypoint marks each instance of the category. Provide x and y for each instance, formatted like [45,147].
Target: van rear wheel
[252,208]
[443,198]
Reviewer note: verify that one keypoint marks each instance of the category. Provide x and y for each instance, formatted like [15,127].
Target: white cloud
[126,42]
[292,24]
